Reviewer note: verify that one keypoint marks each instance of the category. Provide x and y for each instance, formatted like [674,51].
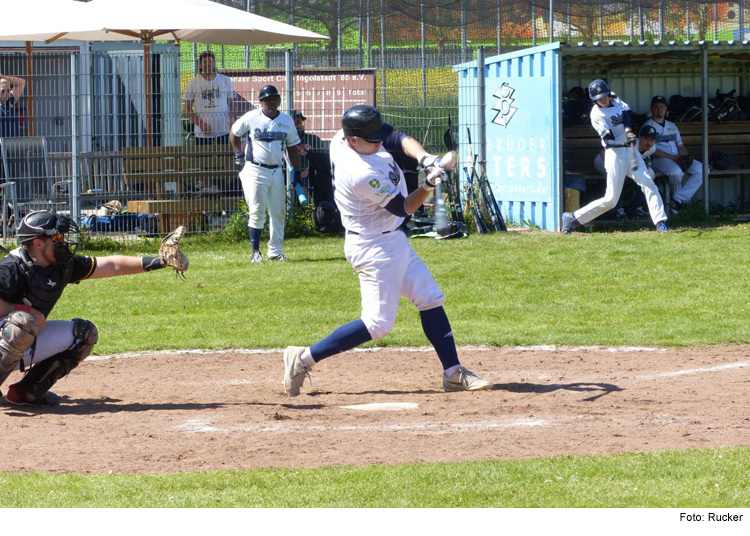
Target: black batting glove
[239,161]
[630,138]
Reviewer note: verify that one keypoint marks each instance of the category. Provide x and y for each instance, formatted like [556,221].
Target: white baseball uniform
[263,176]
[643,177]
[607,121]
[377,249]
[668,139]
[210,101]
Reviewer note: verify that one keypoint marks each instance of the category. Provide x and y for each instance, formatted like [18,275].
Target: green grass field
[689,287]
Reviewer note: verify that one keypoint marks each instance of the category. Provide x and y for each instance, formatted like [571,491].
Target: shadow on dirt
[605,388]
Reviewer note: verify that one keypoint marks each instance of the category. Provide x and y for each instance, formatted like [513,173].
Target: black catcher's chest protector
[45,283]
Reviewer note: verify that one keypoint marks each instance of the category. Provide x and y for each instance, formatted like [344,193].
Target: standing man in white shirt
[209,100]
[672,158]
[371,194]
[267,133]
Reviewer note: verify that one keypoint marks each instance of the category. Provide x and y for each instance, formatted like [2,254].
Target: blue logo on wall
[504,106]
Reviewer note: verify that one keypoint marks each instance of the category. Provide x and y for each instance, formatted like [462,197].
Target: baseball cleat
[676,207]
[295,370]
[464,380]
[20,396]
[661,227]
[568,222]
[279,257]
[256,256]
[621,215]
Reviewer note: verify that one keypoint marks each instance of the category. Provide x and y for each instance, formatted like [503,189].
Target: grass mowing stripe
[691,478]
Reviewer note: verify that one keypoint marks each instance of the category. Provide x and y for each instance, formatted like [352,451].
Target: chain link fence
[99,137]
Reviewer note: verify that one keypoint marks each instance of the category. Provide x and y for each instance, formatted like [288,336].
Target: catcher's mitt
[685,161]
[170,254]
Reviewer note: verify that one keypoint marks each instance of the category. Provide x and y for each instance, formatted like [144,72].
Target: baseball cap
[658,98]
[299,114]
[647,131]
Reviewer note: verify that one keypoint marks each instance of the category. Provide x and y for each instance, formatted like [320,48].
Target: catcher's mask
[62,230]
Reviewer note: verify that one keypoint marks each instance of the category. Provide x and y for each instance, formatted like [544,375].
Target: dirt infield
[199,412]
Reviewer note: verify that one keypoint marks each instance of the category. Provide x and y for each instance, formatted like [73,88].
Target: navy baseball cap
[299,114]
[647,131]
[659,98]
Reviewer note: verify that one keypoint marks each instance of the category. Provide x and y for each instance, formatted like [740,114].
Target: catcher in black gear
[32,279]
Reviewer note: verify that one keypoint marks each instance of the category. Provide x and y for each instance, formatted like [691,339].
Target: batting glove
[630,138]
[239,161]
[430,161]
[297,176]
[436,176]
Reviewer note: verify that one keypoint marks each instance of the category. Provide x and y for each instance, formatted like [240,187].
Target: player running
[610,117]
[370,191]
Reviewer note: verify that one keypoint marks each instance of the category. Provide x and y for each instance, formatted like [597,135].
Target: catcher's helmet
[364,121]
[268,91]
[62,230]
[598,89]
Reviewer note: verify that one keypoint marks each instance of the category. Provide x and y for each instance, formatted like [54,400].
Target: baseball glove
[685,161]
[170,253]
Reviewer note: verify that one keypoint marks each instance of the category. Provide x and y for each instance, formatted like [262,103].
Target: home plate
[384,406]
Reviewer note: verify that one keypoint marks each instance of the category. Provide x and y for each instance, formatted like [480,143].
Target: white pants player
[266,188]
[683,192]
[643,177]
[56,337]
[389,268]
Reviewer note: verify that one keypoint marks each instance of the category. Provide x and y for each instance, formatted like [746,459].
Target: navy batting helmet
[598,89]
[364,121]
[268,91]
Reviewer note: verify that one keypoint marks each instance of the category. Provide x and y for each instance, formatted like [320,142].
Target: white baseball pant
[683,191]
[56,337]
[266,188]
[389,268]
[643,177]
[616,164]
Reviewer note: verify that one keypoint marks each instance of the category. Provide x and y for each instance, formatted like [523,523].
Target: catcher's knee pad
[86,336]
[19,329]
[42,376]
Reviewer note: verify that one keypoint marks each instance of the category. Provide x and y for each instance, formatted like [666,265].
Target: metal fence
[99,138]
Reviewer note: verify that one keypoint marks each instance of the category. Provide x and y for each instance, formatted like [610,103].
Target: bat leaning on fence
[489,198]
[472,203]
[485,190]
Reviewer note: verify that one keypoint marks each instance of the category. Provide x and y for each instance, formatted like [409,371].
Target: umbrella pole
[29,88]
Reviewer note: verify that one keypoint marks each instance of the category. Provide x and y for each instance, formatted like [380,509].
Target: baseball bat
[476,182]
[300,194]
[633,160]
[491,202]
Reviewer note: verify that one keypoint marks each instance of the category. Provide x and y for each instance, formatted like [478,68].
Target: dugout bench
[150,170]
[582,143]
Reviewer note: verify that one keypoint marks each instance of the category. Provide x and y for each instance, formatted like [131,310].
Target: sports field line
[205,426]
[418,349]
[697,370]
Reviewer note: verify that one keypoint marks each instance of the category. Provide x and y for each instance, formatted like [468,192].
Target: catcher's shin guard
[17,333]
[42,376]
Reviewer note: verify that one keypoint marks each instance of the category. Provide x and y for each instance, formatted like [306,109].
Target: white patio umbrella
[199,21]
